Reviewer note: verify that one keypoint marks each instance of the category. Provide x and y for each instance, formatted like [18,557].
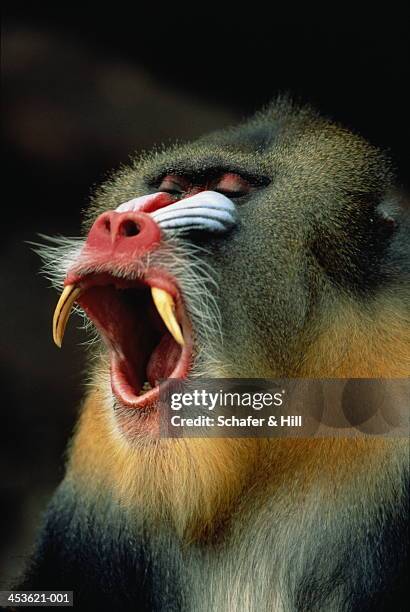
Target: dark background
[80,93]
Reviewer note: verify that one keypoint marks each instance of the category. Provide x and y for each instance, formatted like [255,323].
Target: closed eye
[232,185]
[174,185]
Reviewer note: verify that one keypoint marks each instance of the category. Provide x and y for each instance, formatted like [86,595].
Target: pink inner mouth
[142,351]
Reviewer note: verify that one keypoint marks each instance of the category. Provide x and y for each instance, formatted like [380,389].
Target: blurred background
[81,92]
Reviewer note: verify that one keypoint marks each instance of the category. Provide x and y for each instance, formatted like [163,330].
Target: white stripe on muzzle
[206,211]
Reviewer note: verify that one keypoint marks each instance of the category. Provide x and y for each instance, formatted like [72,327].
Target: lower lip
[124,392]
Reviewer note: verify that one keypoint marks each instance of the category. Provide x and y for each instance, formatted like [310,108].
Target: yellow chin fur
[191,483]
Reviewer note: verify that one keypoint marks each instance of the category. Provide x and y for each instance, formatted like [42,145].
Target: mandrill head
[278,248]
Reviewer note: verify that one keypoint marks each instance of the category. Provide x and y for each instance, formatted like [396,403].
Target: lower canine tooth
[166,308]
[62,312]
[145,387]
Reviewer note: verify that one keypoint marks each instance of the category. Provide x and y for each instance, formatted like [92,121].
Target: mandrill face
[251,253]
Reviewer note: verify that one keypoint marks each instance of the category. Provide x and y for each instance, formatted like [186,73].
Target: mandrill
[278,248]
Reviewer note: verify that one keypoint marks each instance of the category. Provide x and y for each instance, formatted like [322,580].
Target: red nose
[127,233]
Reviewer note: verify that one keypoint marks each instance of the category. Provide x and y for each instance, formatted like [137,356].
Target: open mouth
[144,325]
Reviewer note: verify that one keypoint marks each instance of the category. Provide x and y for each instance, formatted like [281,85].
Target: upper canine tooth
[62,312]
[166,308]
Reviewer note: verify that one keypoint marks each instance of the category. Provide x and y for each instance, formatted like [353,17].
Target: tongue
[163,360]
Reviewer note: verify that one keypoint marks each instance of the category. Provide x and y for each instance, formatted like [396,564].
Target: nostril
[129,228]
[130,232]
